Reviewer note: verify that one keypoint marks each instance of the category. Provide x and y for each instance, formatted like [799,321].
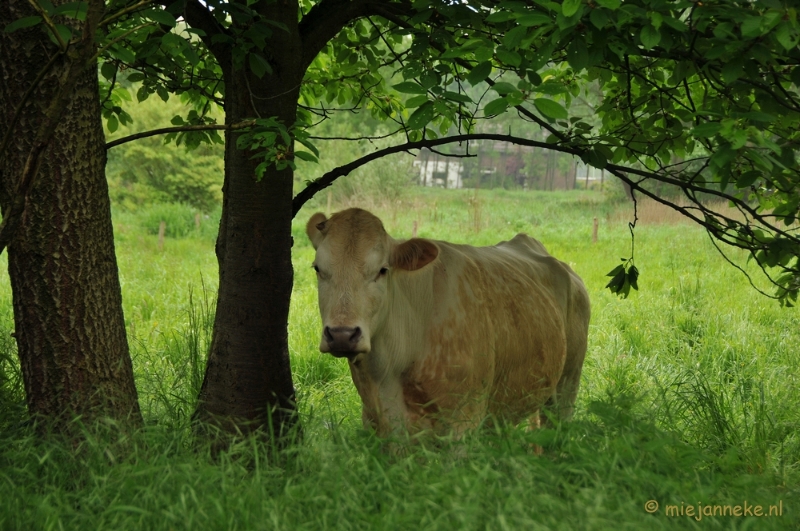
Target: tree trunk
[69,325]
[248,381]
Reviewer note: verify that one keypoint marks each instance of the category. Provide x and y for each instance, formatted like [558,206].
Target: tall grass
[689,396]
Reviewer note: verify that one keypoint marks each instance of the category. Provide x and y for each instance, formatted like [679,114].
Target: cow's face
[355,261]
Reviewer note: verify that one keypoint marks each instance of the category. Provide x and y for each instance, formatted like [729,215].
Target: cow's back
[497,338]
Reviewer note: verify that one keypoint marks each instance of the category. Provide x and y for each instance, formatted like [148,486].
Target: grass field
[689,398]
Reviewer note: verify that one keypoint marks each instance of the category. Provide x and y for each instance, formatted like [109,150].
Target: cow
[440,336]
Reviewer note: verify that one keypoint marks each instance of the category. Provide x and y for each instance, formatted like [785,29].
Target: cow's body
[439,335]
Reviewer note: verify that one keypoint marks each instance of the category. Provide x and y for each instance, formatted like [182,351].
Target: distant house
[504,165]
[439,171]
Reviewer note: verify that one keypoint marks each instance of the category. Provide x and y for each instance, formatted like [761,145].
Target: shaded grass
[689,395]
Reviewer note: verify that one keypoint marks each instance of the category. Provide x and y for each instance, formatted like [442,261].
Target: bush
[148,170]
[179,217]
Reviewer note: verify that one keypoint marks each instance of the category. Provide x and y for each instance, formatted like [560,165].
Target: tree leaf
[504,88]
[609,4]
[707,129]
[650,37]
[534,19]
[24,22]
[258,65]
[509,57]
[161,16]
[479,73]
[409,87]
[570,7]
[108,70]
[422,116]
[551,109]
[112,123]
[497,106]
[76,10]
[305,155]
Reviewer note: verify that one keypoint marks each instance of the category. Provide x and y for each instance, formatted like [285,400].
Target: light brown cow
[439,335]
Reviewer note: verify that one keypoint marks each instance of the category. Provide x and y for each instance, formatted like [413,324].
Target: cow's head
[356,259]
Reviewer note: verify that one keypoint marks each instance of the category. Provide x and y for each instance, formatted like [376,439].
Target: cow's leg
[393,415]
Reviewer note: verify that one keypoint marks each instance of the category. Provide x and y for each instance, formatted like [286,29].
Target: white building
[435,170]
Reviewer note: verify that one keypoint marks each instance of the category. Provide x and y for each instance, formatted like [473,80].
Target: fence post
[162,228]
[414,230]
[594,230]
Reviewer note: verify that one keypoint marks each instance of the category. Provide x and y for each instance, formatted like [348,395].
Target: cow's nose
[342,339]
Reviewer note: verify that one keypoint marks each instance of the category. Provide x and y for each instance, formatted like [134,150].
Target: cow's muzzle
[342,341]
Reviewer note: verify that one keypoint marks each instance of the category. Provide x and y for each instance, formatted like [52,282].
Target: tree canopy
[702,96]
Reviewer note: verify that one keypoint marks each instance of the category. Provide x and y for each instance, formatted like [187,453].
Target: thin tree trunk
[69,325]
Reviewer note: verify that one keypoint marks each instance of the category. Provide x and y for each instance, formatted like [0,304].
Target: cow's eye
[315,268]
[383,271]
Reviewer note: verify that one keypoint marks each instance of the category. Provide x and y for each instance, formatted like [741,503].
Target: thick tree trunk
[248,381]
[68,317]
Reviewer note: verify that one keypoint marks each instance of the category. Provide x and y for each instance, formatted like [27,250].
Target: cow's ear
[414,254]
[315,228]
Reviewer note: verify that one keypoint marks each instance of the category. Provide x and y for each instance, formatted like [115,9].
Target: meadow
[689,397]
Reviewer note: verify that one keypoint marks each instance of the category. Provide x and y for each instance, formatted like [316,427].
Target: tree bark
[69,325]
[248,381]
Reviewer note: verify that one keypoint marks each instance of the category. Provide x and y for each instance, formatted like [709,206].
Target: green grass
[689,396]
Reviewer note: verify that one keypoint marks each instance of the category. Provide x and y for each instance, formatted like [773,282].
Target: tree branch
[179,129]
[327,18]
[328,178]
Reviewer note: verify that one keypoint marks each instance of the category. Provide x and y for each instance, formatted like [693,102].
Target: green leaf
[455,96]
[161,16]
[162,93]
[64,32]
[479,73]
[108,70]
[421,117]
[599,18]
[707,129]
[409,87]
[551,109]
[416,101]
[514,37]
[497,106]
[787,35]
[570,7]
[747,178]
[24,22]
[76,10]
[258,65]
[676,24]
[534,19]
[609,4]
[112,124]
[650,37]
[500,16]
[508,57]
[577,55]
[504,88]
[305,155]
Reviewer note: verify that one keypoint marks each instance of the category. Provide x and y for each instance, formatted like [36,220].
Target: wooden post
[162,228]
[594,230]
[414,230]
[197,221]
[602,179]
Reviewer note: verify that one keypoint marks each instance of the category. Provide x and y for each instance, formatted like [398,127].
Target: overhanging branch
[179,129]
[328,178]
